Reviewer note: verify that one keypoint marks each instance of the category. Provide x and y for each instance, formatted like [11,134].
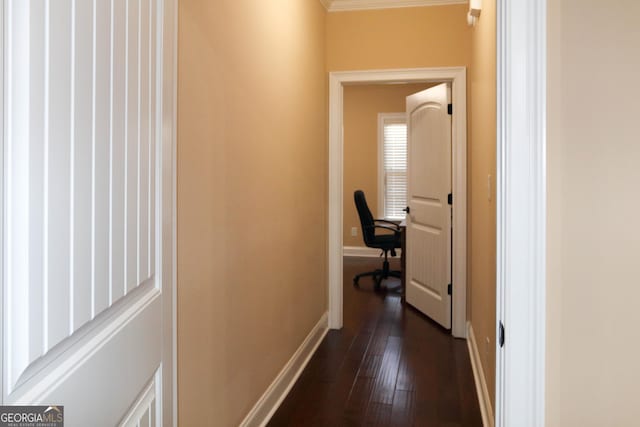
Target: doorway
[456,76]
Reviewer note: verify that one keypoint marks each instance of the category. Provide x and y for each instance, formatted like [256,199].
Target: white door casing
[521,212]
[429,219]
[337,80]
[88,205]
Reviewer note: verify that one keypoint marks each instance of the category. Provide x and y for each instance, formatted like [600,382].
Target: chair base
[378,276]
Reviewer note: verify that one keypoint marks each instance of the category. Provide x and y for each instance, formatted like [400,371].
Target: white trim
[51,370]
[456,75]
[384,118]
[345,5]
[167,88]
[174,232]
[364,251]
[521,210]
[478,376]
[270,401]
[142,404]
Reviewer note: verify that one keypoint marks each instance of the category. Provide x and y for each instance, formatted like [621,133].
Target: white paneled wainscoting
[87,192]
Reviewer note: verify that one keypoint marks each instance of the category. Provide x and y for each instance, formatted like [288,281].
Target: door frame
[169,131]
[521,212]
[337,80]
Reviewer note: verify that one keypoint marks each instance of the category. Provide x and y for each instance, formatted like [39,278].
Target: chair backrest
[366,218]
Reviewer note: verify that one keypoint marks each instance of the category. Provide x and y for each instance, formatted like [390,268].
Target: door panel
[99,371]
[143,412]
[82,300]
[56,137]
[429,221]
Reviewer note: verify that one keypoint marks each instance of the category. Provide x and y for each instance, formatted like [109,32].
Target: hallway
[388,366]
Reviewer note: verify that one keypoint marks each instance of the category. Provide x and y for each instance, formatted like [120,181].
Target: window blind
[394,168]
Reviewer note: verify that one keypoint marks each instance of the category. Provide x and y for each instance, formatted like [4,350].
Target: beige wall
[593,235]
[436,36]
[252,174]
[362,103]
[482,156]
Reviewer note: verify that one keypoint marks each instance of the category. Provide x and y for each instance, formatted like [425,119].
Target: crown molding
[345,5]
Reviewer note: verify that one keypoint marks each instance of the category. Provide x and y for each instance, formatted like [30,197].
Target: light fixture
[475,7]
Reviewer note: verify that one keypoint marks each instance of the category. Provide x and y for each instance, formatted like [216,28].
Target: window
[392,165]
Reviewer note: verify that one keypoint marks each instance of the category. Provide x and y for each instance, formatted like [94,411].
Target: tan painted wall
[435,36]
[252,174]
[362,103]
[593,234]
[482,155]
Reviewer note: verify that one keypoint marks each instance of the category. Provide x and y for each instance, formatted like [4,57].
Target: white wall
[593,156]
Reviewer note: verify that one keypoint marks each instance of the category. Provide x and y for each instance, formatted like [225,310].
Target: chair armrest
[395,224]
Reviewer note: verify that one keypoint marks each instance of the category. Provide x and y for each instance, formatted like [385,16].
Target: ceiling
[343,5]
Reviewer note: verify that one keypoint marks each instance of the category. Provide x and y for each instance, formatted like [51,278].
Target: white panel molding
[346,5]
[269,402]
[337,81]
[144,406]
[47,373]
[78,211]
[478,375]
[16,203]
[56,236]
[364,251]
[521,210]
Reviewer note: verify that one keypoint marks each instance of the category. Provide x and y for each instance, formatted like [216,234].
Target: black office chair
[385,242]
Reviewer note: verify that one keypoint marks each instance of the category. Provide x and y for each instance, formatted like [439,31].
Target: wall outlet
[354,231]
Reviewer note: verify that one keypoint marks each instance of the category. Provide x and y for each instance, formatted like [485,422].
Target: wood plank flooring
[388,366]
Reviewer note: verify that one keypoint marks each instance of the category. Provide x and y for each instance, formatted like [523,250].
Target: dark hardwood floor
[388,366]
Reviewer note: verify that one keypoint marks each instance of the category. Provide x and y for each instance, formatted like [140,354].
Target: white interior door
[428,243]
[86,221]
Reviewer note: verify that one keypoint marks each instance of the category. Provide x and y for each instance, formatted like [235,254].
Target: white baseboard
[478,376]
[270,401]
[363,251]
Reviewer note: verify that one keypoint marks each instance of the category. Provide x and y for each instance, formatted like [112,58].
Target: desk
[403,260]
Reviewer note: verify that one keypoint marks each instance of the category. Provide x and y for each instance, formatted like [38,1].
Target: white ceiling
[342,5]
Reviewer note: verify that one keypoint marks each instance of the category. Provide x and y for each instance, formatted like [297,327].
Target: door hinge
[450,109]
[450,199]
[449,289]
[501,335]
